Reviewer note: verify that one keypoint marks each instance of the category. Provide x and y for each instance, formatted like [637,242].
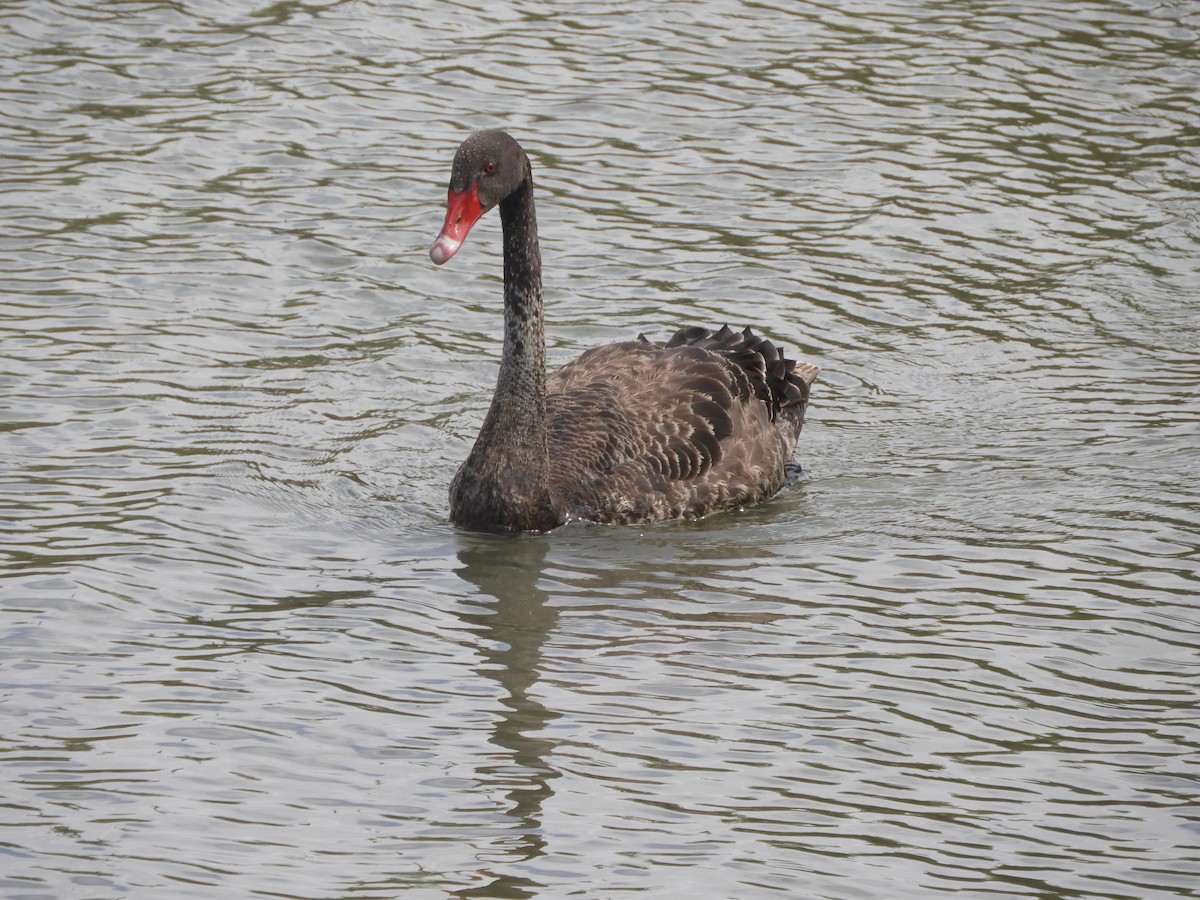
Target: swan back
[638,432]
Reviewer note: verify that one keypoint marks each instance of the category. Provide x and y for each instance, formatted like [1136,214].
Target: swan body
[631,432]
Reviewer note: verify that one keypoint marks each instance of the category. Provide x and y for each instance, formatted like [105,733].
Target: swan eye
[489,168]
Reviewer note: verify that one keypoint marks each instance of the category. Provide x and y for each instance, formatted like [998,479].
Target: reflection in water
[512,631]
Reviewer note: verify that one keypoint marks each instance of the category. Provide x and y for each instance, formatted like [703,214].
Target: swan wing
[640,432]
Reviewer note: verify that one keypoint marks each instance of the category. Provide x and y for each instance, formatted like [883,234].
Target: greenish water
[242,652]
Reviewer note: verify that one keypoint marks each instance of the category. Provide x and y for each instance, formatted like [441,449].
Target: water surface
[245,655]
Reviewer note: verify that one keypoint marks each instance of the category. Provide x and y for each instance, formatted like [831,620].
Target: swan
[632,432]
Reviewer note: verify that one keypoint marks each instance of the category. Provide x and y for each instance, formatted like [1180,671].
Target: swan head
[488,167]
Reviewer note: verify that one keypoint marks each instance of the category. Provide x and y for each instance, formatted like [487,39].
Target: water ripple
[243,649]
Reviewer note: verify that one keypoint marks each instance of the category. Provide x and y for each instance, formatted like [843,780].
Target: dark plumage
[629,432]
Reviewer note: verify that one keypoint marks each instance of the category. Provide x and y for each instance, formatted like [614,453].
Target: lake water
[242,651]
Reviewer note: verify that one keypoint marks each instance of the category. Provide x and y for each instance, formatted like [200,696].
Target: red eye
[489,168]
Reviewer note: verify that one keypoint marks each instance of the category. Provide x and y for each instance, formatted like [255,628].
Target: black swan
[627,433]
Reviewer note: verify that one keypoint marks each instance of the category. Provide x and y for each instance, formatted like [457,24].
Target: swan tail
[781,383]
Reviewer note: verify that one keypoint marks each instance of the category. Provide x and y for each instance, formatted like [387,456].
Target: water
[245,655]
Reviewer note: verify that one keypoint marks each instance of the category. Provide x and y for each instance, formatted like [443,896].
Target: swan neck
[523,364]
[505,482]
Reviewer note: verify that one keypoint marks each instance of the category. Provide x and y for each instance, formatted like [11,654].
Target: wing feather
[639,431]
